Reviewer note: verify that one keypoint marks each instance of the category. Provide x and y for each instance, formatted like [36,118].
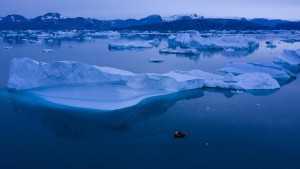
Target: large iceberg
[225,42]
[76,84]
[290,57]
[246,81]
[26,73]
[276,71]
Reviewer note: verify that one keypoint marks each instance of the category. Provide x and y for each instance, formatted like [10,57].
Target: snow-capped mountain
[182,17]
[51,16]
[55,21]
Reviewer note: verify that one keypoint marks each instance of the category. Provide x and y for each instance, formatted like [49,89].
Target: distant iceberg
[224,42]
[276,71]
[290,57]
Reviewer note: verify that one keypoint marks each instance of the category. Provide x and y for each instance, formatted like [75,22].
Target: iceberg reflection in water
[67,121]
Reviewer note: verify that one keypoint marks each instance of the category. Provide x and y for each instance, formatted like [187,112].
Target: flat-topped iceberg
[291,57]
[75,84]
[195,40]
[276,71]
[26,73]
[247,81]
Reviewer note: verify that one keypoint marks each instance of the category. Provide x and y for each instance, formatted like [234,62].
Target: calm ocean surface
[224,130]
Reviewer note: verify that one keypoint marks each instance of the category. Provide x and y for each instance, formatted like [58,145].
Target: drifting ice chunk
[275,71]
[129,45]
[169,82]
[47,50]
[291,57]
[179,50]
[195,40]
[247,81]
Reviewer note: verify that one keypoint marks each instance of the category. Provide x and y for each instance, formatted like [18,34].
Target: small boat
[179,134]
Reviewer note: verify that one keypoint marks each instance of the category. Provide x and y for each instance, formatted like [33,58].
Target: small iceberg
[195,40]
[276,71]
[290,57]
[47,50]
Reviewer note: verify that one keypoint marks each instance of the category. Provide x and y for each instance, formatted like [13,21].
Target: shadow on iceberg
[78,123]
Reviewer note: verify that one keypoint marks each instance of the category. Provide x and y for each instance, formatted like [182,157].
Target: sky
[124,9]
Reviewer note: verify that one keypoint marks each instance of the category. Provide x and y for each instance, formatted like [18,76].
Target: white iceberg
[26,73]
[246,81]
[276,71]
[129,45]
[291,57]
[76,84]
[195,40]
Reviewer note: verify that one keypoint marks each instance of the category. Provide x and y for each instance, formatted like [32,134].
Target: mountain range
[55,21]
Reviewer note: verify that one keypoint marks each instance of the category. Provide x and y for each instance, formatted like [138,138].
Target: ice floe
[276,71]
[291,57]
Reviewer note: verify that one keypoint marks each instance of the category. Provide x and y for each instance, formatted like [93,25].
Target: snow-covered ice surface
[291,57]
[275,71]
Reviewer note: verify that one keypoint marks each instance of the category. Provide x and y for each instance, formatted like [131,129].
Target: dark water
[245,131]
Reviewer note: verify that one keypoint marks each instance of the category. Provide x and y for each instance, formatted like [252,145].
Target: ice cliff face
[26,73]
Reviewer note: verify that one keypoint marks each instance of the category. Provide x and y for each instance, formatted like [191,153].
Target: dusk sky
[122,9]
